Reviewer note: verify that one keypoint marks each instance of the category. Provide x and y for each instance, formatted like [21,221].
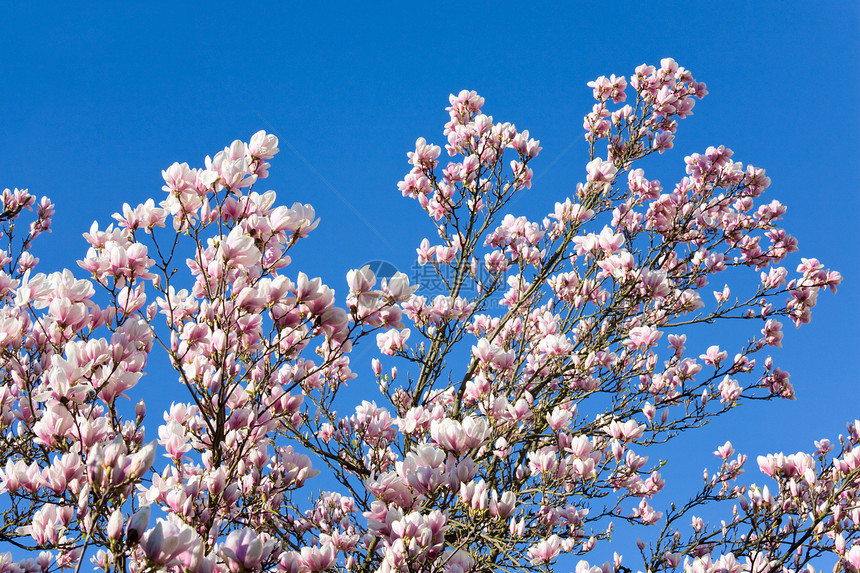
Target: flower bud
[649,411]
[839,544]
[83,501]
[507,504]
[114,526]
[142,460]
[95,466]
[617,450]
[137,524]
[215,482]
[113,452]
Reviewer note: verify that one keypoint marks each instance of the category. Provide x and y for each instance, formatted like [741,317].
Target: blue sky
[97,100]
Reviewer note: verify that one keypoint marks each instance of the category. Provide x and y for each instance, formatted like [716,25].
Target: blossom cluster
[502,436]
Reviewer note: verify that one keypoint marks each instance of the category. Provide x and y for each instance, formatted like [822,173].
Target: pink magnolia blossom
[392,341]
[600,171]
[527,416]
[546,550]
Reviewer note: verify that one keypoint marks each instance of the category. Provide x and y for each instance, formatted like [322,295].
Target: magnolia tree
[515,411]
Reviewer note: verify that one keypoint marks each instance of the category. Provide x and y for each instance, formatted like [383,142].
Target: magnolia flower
[460,437]
[392,341]
[263,145]
[138,523]
[361,280]
[296,467]
[600,171]
[166,541]
[244,550]
[545,551]
[398,288]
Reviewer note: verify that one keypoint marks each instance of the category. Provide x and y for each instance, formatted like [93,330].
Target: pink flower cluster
[537,386]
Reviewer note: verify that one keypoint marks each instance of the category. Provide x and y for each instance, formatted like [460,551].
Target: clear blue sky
[96,101]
